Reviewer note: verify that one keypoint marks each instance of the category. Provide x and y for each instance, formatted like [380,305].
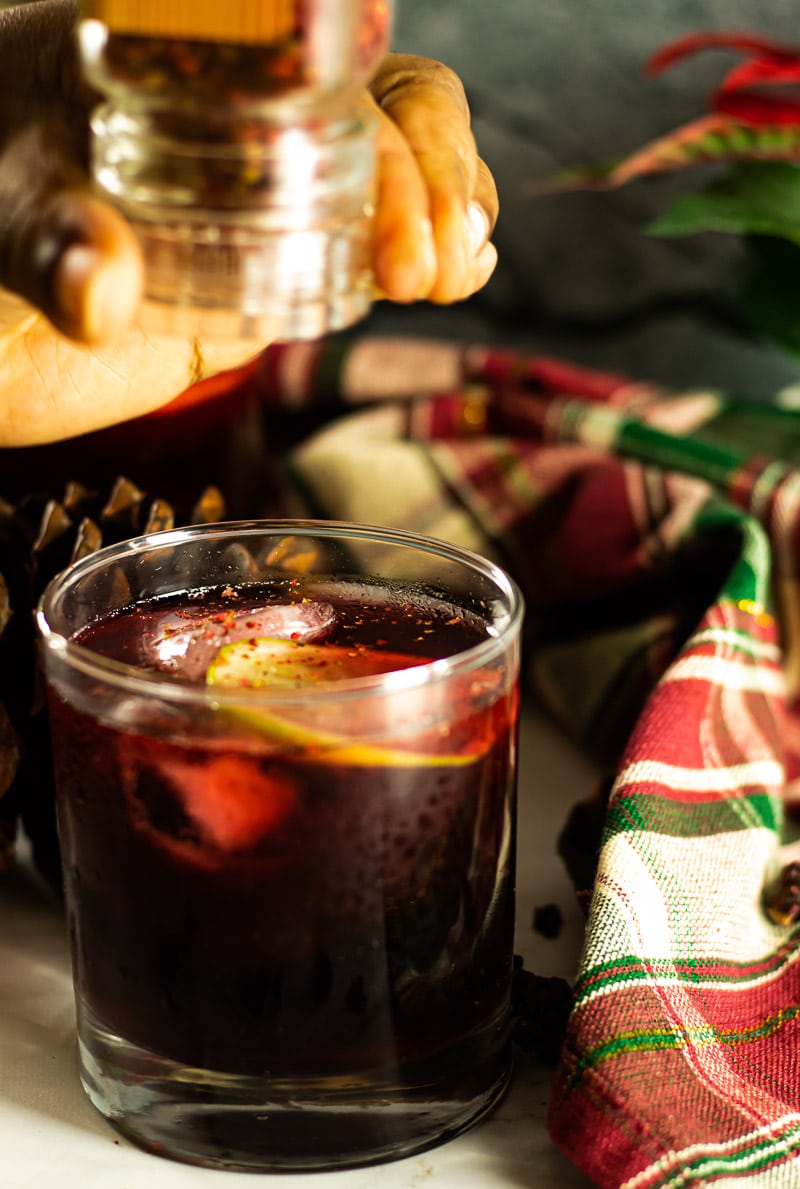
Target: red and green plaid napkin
[657,539]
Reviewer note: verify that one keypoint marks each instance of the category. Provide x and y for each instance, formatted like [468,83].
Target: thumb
[67,253]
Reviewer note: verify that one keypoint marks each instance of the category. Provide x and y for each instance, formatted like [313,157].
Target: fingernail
[477,227]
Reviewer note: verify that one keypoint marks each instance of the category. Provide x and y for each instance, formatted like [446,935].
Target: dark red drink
[260,896]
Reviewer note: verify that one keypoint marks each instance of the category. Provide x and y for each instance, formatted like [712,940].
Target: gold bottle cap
[234,21]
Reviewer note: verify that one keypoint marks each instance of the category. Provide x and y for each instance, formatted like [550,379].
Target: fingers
[437,202]
[405,260]
[60,248]
[95,270]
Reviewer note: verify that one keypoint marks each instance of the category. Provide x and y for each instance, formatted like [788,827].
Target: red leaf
[746,93]
[692,43]
[759,109]
[758,70]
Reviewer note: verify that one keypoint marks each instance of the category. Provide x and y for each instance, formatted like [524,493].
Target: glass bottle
[233,139]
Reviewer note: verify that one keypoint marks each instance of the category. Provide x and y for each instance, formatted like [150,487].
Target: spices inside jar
[299,49]
[233,141]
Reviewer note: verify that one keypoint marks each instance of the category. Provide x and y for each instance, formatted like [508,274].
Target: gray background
[554,83]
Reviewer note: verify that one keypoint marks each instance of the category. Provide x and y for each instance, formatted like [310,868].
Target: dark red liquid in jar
[245,907]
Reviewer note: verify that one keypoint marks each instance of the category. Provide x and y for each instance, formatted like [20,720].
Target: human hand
[437,201]
[72,358]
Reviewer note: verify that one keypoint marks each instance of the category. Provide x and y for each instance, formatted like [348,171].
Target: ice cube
[186,641]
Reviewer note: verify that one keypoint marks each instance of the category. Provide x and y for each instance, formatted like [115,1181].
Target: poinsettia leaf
[761,92]
[692,43]
[758,71]
[759,109]
[577,177]
[693,213]
[756,198]
[771,300]
[712,139]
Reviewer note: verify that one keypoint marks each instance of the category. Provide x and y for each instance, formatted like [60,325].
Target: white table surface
[51,1136]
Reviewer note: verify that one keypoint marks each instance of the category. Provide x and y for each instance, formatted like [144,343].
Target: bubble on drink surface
[184,642]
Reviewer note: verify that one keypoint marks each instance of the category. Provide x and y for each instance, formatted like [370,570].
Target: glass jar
[233,139]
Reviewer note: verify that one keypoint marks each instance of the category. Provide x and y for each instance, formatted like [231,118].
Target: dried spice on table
[540,1009]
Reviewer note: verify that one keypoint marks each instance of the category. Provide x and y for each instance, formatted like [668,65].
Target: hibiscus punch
[285,766]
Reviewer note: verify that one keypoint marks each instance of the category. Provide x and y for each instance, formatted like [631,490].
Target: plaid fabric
[657,539]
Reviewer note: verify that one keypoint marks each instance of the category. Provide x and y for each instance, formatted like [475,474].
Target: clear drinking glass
[285,768]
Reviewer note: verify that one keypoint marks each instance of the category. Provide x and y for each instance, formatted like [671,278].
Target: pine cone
[39,536]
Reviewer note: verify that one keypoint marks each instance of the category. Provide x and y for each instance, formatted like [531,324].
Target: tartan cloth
[656,537]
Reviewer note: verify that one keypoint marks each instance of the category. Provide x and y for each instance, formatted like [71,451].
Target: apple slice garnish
[281,665]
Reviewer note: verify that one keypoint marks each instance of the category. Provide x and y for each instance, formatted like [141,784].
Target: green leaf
[755,198]
[771,300]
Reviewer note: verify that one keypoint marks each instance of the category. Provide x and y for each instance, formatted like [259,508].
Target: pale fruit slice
[267,663]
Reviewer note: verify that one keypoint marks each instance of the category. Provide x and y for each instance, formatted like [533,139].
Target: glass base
[253,1124]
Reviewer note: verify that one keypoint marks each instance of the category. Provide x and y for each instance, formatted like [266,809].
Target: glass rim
[135,680]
